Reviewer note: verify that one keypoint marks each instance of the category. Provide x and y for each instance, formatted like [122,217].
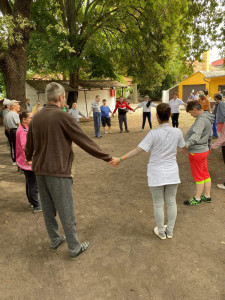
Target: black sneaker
[37,209]
[192,201]
[206,199]
[63,239]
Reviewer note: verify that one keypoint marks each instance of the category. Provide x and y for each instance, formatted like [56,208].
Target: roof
[211,74]
[101,84]
[201,66]
[39,85]
[218,62]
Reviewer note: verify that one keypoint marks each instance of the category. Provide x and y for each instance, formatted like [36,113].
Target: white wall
[90,96]
[81,104]
[165,96]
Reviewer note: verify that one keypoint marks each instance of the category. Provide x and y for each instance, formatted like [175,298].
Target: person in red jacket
[122,111]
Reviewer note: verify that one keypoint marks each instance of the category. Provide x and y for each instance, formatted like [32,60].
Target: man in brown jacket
[49,147]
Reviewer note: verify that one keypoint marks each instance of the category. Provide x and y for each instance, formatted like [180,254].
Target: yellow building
[213,81]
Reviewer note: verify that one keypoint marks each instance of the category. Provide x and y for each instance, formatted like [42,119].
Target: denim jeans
[159,195]
[97,122]
[148,116]
[215,128]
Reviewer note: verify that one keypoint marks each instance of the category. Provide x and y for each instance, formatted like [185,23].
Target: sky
[214,54]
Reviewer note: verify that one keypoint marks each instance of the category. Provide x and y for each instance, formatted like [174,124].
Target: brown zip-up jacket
[49,142]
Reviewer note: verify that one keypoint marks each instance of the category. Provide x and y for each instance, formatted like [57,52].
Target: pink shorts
[199,168]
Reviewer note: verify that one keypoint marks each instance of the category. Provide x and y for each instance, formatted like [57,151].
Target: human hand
[28,162]
[184,150]
[115,162]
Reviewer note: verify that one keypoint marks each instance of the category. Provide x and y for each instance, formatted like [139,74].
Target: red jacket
[122,107]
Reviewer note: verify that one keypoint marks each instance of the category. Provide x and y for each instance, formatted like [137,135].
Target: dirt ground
[114,212]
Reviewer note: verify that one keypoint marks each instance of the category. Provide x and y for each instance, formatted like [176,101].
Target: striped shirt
[95,106]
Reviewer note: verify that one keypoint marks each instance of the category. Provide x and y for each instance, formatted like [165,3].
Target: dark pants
[56,195]
[7,135]
[175,118]
[31,188]
[223,153]
[12,136]
[123,119]
[148,116]
[215,128]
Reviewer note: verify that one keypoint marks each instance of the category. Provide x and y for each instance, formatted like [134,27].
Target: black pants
[175,118]
[223,153]
[31,188]
[12,137]
[148,116]
[123,119]
[7,135]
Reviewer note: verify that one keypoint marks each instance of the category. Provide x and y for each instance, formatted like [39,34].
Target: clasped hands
[115,162]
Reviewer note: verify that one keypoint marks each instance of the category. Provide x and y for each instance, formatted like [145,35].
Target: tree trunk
[74,83]
[13,61]
[13,67]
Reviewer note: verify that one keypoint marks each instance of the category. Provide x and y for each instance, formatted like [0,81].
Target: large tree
[15,30]
[141,38]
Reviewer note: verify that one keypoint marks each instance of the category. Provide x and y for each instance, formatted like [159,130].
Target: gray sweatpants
[56,194]
[167,193]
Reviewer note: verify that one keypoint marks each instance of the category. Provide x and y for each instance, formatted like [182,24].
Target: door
[187,89]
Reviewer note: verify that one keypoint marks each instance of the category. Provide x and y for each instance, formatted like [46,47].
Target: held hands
[184,150]
[115,162]
[28,163]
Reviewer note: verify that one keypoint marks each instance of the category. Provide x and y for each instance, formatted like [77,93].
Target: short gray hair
[53,90]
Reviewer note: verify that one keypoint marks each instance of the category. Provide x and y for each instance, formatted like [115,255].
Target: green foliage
[147,40]
[11,30]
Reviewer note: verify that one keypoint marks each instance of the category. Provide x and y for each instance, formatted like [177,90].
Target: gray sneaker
[162,236]
[37,209]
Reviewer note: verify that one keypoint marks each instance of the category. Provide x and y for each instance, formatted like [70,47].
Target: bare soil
[114,212]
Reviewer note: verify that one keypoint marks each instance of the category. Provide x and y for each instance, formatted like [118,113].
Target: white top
[175,105]
[12,119]
[163,141]
[196,97]
[145,108]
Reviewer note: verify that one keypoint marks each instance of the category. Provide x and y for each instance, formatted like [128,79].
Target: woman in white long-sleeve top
[147,105]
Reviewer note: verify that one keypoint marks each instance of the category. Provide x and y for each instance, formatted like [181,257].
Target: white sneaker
[168,235]
[221,186]
[14,164]
[106,132]
[161,236]
[110,132]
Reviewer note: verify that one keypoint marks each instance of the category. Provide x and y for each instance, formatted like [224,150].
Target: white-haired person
[49,146]
[162,169]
